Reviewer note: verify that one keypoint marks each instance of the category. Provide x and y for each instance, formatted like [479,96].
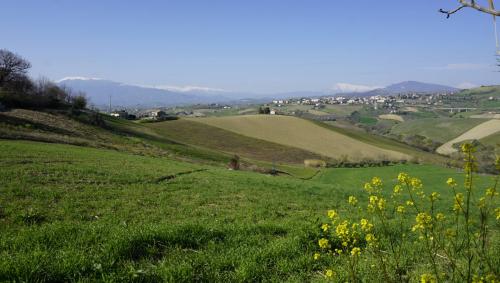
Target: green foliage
[458,242]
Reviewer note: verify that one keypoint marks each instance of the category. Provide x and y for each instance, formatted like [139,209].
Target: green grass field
[72,213]
[437,129]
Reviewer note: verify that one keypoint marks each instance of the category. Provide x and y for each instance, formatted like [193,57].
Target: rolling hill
[480,131]
[303,134]
[203,135]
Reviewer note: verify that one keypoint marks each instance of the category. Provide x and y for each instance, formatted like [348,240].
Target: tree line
[18,90]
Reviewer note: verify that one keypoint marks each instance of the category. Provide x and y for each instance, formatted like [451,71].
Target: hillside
[198,134]
[72,213]
[437,129]
[302,134]
[485,97]
[480,131]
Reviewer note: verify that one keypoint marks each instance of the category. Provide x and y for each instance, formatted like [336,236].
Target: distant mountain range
[100,91]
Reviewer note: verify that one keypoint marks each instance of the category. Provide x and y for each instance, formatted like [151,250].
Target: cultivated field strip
[478,132]
[302,134]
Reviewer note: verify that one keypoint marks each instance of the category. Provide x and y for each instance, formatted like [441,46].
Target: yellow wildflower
[409,203]
[376,181]
[491,192]
[368,187]
[352,200]
[355,251]
[497,212]
[428,278]
[332,214]
[397,190]
[434,196]
[400,209]
[459,202]
[329,273]
[370,238]
[423,220]
[316,256]
[325,227]
[323,243]
[467,148]
[451,182]
[381,204]
[342,229]
[365,225]
[416,183]
[403,177]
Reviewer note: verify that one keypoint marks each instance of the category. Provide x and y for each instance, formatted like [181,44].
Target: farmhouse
[120,114]
[158,114]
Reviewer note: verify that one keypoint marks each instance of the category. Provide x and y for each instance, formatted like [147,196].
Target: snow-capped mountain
[99,92]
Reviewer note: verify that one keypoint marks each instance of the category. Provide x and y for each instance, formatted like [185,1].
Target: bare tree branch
[448,13]
[472,4]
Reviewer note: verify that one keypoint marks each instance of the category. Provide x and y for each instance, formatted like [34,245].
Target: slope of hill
[485,98]
[202,135]
[112,133]
[437,129]
[478,132]
[295,132]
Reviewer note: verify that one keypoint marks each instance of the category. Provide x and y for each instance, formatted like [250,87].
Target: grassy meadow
[72,213]
[440,129]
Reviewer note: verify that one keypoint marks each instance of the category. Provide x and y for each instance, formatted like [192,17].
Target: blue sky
[253,45]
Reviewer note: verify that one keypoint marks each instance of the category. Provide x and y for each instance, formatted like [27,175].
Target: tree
[12,66]
[474,5]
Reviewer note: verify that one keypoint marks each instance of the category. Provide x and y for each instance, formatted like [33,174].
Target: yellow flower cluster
[428,278]
[423,220]
[434,196]
[397,190]
[451,182]
[325,227]
[400,209]
[353,201]
[403,178]
[332,214]
[355,251]
[323,243]
[366,226]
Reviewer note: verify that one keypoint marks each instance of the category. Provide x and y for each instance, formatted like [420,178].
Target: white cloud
[466,85]
[460,67]
[346,87]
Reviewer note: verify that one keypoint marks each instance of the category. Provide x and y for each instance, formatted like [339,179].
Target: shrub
[234,163]
[79,102]
[458,244]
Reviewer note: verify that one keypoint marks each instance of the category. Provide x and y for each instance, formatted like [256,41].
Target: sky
[260,46]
